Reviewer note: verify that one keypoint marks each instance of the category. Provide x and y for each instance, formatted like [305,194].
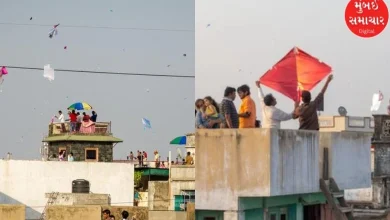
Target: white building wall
[349,158]
[359,195]
[26,182]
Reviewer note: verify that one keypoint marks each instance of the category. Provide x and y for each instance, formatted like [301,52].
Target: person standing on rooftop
[307,112]
[272,116]
[228,109]
[61,118]
[73,120]
[94,116]
[247,112]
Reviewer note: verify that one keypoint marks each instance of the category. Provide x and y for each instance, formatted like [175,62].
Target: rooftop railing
[99,128]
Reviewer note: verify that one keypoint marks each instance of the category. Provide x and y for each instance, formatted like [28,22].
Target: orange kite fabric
[295,72]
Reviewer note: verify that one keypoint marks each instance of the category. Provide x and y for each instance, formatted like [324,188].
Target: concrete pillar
[234,215]
[381,142]
[299,213]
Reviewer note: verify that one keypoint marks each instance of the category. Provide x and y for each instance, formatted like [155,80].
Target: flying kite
[3,72]
[296,71]
[48,72]
[53,31]
[376,101]
[146,123]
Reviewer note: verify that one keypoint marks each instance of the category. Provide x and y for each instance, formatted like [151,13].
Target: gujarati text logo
[366,18]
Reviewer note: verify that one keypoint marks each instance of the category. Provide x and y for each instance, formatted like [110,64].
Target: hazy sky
[28,101]
[253,35]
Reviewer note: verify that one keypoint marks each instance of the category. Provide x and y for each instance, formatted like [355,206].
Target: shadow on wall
[30,212]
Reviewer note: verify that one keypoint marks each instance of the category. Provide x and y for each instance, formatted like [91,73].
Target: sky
[234,43]
[28,100]
[253,35]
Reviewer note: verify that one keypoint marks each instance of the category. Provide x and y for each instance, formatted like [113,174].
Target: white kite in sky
[53,31]
[48,72]
[376,101]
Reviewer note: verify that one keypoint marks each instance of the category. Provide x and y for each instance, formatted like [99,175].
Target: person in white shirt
[79,120]
[61,118]
[272,116]
[70,157]
[157,158]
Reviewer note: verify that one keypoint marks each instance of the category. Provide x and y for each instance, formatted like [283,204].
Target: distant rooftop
[98,129]
[75,137]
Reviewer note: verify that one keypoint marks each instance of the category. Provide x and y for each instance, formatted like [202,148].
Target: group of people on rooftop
[211,115]
[76,120]
[142,158]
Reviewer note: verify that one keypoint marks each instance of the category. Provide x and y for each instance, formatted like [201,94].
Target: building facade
[271,174]
[96,146]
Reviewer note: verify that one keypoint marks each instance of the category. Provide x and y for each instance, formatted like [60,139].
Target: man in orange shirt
[247,112]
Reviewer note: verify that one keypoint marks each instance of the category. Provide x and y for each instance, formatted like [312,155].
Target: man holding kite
[307,112]
[272,116]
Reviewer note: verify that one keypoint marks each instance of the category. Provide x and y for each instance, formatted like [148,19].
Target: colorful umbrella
[296,71]
[80,106]
[182,140]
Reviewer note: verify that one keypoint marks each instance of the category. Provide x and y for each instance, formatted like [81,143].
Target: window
[91,154]
[188,196]
[277,214]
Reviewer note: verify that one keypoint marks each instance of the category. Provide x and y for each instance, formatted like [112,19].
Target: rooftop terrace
[98,132]
[100,128]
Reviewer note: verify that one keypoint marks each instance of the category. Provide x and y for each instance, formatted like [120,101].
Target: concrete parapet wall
[12,212]
[139,213]
[167,215]
[73,212]
[93,212]
[234,163]
[81,199]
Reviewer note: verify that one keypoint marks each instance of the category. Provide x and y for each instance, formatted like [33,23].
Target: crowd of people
[210,115]
[78,122]
[142,158]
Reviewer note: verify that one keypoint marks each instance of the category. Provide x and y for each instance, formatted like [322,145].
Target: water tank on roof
[80,186]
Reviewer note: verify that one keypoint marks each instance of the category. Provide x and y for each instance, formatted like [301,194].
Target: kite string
[105,72]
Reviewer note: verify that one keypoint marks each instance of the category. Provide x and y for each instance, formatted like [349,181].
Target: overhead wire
[97,27]
[104,72]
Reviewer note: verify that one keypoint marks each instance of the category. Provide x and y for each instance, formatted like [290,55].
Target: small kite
[376,101]
[146,123]
[3,72]
[53,31]
[48,72]
[208,25]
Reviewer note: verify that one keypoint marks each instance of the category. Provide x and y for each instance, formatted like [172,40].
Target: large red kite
[297,70]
